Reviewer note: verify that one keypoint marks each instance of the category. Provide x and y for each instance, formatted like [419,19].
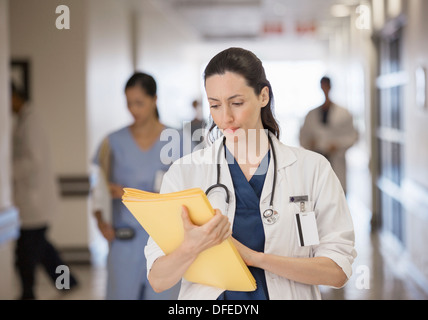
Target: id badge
[307,231]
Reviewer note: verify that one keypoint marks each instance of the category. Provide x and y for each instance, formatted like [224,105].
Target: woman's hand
[167,270]
[116,191]
[248,255]
[105,228]
[200,238]
[313,271]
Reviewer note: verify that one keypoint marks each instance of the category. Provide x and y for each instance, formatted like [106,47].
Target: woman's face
[234,106]
[140,104]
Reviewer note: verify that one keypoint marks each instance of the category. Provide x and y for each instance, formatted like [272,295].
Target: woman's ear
[264,96]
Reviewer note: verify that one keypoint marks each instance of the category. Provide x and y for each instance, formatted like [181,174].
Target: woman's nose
[227,115]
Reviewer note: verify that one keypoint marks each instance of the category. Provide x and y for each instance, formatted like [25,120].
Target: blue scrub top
[132,167]
[248,226]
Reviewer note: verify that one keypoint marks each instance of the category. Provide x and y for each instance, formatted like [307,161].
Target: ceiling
[254,19]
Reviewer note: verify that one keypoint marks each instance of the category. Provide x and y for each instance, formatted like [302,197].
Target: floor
[376,276]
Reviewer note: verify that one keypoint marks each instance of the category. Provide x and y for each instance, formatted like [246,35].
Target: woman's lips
[230,130]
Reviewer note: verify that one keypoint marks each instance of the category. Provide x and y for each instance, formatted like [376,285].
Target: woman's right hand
[212,233]
[167,270]
[105,228]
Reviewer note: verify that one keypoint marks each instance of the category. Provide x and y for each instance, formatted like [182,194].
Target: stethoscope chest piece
[270,216]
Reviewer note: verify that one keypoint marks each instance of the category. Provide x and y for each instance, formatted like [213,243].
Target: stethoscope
[270,216]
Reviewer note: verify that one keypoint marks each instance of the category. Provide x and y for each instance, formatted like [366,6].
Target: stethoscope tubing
[269,215]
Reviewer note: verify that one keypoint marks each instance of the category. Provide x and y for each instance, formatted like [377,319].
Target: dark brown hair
[248,65]
[146,83]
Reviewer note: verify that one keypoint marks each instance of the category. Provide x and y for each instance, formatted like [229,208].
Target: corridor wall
[9,222]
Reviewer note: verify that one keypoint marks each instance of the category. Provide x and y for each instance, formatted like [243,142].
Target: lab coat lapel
[284,157]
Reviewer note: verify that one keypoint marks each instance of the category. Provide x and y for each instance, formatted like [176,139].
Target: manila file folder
[220,266]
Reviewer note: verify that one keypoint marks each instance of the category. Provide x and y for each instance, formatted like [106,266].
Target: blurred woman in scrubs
[130,157]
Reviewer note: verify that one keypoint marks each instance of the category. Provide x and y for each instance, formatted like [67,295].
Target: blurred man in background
[329,130]
[35,195]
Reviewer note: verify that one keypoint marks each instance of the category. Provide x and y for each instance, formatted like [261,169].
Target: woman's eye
[139,104]
[213,106]
[135,104]
[237,104]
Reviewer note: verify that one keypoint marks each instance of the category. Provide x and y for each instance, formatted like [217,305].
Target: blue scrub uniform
[247,225]
[132,167]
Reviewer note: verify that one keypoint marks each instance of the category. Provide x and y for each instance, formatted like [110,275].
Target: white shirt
[35,186]
[338,131]
[299,172]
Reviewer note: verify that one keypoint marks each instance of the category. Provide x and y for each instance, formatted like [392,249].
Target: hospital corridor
[349,81]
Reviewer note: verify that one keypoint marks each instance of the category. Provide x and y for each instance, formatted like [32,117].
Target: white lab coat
[35,186]
[339,131]
[299,172]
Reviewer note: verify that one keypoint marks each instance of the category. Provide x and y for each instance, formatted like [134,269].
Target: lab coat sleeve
[171,182]
[335,226]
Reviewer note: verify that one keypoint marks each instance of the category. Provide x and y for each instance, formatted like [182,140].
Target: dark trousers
[32,248]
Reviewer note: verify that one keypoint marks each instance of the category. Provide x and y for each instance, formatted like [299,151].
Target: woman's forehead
[227,83]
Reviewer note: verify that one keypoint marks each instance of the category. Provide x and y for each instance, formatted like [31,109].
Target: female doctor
[260,189]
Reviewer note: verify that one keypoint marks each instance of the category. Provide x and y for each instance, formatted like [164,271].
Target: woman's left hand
[116,191]
[248,255]
[313,271]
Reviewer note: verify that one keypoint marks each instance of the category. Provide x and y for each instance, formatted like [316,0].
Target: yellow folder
[220,266]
